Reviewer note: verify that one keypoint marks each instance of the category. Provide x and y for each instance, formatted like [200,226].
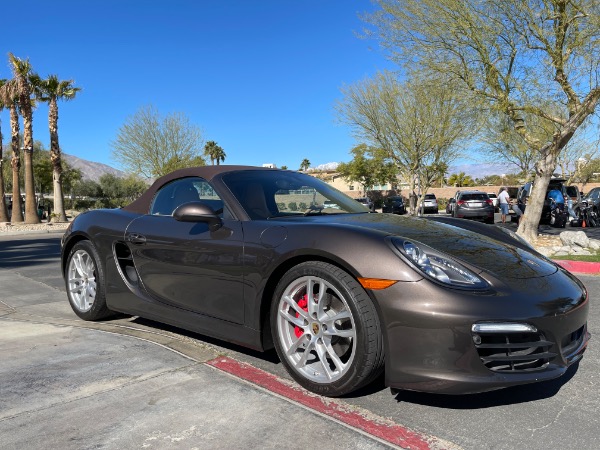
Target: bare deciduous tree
[151,146]
[521,59]
[417,124]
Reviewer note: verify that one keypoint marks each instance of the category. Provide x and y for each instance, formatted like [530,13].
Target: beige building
[352,189]
[356,190]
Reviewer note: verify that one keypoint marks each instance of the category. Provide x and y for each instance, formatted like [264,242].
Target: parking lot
[119,384]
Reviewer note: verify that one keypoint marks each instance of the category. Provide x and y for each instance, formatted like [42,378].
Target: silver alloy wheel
[316,329]
[81,279]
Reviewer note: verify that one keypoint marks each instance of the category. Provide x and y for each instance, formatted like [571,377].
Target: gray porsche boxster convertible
[270,258]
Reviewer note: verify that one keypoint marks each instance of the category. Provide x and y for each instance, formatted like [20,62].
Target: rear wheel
[84,280]
[326,329]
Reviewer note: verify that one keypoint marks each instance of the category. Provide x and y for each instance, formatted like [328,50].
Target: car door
[186,264]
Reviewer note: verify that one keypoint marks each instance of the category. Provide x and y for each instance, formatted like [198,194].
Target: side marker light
[376,283]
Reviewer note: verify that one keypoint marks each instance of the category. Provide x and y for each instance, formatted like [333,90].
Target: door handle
[135,238]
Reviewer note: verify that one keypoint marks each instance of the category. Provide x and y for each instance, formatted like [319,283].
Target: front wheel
[84,278]
[326,329]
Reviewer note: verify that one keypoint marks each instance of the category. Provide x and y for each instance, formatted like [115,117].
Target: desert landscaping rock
[568,243]
[575,238]
[7,227]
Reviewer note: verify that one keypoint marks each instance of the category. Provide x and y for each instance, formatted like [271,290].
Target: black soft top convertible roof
[142,204]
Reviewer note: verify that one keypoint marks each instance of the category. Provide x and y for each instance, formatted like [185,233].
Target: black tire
[84,279]
[353,354]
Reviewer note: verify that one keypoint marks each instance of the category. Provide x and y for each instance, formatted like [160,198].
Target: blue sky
[260,77]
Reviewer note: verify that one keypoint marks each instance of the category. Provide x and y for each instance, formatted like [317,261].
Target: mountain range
[91,170]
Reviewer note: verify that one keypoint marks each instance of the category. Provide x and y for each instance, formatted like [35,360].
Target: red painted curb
[381,428]
[579,266]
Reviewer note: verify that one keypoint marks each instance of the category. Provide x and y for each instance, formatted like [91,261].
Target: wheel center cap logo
[315,328]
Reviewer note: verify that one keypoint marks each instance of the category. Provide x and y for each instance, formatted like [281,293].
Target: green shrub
[442,203]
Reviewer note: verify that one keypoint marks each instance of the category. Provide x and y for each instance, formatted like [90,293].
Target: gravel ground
[7,227]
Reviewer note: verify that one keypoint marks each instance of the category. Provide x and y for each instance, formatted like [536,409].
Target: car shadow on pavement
[375,386]
[38,251]
[507,396]
[269,355]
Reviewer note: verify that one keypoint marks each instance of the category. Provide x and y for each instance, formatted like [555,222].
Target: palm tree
[214,152]
[219,155]
[3,210]
[22,72]
[460,179]
[304,165]
[51,90]
[8,95]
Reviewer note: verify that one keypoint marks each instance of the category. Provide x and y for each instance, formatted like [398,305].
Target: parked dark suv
[575,194]
[394,205]
[474,205]
[593,198]
[555,183]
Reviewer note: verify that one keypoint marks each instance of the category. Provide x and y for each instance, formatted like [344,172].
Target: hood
[490,249]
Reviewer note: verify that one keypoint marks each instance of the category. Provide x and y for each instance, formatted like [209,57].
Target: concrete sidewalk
[70,388]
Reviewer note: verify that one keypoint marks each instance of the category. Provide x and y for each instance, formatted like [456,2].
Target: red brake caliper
[302,303]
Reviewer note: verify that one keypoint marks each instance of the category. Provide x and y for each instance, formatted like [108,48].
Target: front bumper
[430,345]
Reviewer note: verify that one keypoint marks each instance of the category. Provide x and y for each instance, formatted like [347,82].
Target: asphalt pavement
[129,383]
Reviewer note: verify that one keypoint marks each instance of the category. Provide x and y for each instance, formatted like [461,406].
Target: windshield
[467,197]
[266,194]
[572,191]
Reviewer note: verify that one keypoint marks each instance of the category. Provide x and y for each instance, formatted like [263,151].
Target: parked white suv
[494,198]
[430,204]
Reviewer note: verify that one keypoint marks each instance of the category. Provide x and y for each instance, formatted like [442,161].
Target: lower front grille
[513,352]
[571,344]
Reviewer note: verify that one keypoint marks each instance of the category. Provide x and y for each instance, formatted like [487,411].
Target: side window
[185,190]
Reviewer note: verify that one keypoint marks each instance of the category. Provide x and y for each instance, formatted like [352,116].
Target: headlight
[439,267]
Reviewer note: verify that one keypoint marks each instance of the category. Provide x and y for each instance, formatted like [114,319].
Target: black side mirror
[198,212]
